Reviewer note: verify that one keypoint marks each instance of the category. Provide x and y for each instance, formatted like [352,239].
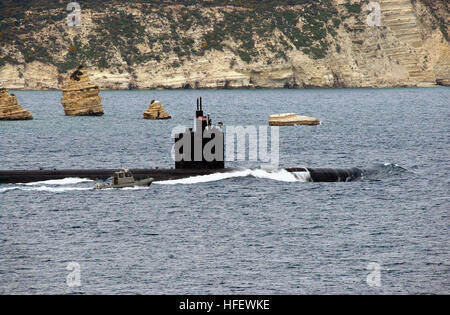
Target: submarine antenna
[197,104]
[201,104]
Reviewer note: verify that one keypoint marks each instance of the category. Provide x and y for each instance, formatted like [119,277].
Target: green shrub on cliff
[117,32]
[354,8]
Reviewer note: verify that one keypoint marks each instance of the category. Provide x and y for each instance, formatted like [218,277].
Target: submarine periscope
[185,166]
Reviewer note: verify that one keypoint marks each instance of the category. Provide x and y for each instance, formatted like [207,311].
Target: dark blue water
[240,235]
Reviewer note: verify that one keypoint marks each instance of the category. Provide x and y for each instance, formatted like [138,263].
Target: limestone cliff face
[158,44]
[10,109]
[80,96]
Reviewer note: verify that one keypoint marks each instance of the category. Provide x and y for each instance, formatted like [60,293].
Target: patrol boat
[124,178]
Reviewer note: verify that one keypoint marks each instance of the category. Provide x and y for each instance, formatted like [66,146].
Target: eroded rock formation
[80,96]
[10,109]
[156,111]
[291,119]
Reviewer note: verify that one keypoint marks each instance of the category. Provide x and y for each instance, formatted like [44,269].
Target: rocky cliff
[10,109]
[226,44]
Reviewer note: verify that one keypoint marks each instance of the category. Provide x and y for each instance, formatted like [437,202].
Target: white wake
[64,181]
[62,185]
[44,188]
[278,175]
[54,185]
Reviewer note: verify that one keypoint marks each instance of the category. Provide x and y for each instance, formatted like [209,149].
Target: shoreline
[256,88]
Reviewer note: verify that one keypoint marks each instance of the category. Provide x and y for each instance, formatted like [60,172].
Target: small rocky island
[80,96]
[156,111]
[291,119]
[10,109]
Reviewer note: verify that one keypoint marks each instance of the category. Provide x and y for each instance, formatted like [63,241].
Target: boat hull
[140,183]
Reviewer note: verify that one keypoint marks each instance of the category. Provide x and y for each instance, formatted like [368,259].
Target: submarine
[187,164]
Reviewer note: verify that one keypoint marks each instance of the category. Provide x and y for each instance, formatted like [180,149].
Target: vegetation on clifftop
[122,34]
[36,30]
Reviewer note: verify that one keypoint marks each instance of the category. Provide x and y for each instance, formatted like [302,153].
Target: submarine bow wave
[278,175]
[64,181]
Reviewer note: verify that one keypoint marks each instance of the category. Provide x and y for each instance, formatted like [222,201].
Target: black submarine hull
[28,176]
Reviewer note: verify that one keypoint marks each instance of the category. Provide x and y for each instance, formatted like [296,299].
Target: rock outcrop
[444,82]
[80,96]
[10,109]
[156,111]
[291,119]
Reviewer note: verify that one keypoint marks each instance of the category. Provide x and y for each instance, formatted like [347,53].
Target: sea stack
[10,109]
[156,111]
[291,119]
[80,96]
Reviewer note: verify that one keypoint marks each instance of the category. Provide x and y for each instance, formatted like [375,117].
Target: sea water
[248,232]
